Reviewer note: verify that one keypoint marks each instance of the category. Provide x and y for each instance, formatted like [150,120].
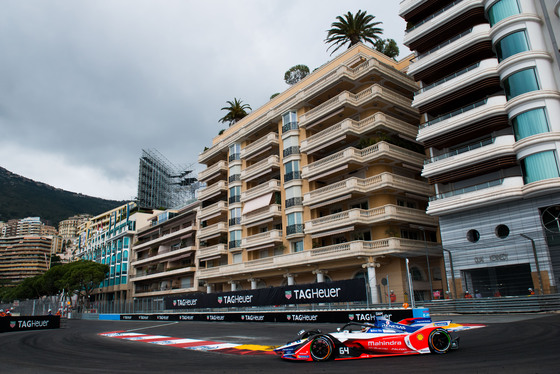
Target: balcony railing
[234,178]
[219,207]
[212,189]
[289,126]
[294,229]
[214,169]
[458,151]
[444,44]
[262,238]
[448,78]
[433,15]
[291,151]
[261,189]
[212,230]
[292,175]
[213,251]
[273,210]
[477,187]
[261,166]
[293,202]
[253,148]
[453,113]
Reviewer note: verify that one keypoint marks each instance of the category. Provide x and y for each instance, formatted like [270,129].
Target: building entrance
[513,280]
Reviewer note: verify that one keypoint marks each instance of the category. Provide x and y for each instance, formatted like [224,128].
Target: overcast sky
[85,85]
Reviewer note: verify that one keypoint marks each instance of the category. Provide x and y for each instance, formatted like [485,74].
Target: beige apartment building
[323,183]
[163,259]
[23,257]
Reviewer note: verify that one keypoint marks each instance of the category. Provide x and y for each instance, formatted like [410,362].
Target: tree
[295,74]
[235,111]
[82,278]
[388,47]
[353,29]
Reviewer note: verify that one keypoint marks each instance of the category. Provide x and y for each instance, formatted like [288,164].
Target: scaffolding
[163,185]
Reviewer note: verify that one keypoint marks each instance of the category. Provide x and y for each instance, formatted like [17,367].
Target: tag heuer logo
[219,299]
[351,317]
[288,294]
[12,324]
[243,317]
[174,302]
[289,317]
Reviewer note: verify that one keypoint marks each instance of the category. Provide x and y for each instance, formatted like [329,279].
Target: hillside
[21,197]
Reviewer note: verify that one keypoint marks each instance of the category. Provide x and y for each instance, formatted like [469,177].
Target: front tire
[321,348]
[439,341]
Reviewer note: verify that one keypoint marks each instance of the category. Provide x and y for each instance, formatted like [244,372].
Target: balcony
[157,274]
[334,253]
[258,147]
[213,171]
[365,186]
[386,213]
[211,231]
[166,255]
[210,253]
[463,117]
[406,6]
[479,33]
[349,127]
[348,99]
[213,210]
[438,19]
[262,189]
[470,155]
[212,190]
[262,239]
[164,238]
[489,193]
[360,157]
[260,168]
[473,75]
[265,214]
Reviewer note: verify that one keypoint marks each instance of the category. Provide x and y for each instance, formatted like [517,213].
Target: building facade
[107,239]
[163,258]
[23,257]
[490,101]
[322,183]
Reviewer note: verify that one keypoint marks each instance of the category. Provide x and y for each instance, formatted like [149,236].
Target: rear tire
[439,341]
[321,348]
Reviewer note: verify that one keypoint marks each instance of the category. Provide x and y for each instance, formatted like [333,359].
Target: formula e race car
[381,338]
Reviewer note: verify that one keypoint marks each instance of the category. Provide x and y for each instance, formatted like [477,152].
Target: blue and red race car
[367,340]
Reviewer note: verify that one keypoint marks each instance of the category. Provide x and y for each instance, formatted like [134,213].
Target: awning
[332,232]
[257,203]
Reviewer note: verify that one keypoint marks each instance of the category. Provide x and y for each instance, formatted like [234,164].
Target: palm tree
[236,110]
[353,29]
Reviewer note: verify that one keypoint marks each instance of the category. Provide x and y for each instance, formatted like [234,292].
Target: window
[511,45]
[292,171]
[530,123]
[237,258]
[235,194]
[473,236]
[539,166]
[289,121]
[521,82]
[297,246]
[235,173]
[235,239]
[291,145]
[295,223]
[235,216]
[502,231]
[234,152]
[502,9]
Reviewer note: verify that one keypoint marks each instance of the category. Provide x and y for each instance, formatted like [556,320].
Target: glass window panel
[236,169]
[521,82]
[292,141]
[289,118]
[502,9]
[292,166]
[294,218]
[511,45]
[235,235]
[540,166]
[292,192]
[530,123]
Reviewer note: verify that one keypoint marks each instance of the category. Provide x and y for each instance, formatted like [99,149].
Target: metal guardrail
[510,304]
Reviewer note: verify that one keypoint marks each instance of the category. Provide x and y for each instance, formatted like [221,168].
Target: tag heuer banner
[332,292]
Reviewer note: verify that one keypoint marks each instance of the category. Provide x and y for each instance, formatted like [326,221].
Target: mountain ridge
[22,197]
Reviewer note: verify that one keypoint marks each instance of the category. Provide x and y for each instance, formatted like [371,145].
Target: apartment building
[322,183]
[23,257]
[489,77]
[163,260]
[107,239]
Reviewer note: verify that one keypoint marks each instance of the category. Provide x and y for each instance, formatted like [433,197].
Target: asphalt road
[509,344]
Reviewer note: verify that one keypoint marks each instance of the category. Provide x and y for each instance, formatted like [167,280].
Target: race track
[509,344]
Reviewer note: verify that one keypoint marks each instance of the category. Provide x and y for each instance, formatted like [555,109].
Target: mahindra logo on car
[383,343]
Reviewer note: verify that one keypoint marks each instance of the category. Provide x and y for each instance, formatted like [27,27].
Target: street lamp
[452,272]
[428,263]
[536,261]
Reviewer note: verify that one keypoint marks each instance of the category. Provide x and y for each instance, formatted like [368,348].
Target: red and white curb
[193,344]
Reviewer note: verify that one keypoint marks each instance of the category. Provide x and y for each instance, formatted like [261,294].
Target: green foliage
[274,95]
[388,47]
[221,131]
[353,29]
[21,197]
[80,278]
[235,111]
[295,74]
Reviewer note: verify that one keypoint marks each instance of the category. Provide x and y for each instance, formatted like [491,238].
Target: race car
[367,340]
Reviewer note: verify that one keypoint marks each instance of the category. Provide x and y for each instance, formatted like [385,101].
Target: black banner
[22,323]
[286,316]
[331,292]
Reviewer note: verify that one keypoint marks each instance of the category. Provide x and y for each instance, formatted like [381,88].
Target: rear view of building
[489,77]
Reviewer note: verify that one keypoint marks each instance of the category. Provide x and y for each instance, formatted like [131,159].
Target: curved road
[509,344]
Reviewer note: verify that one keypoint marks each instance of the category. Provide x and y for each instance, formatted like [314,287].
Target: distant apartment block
[107,239]
[490,102]
[23,257]
[322,183]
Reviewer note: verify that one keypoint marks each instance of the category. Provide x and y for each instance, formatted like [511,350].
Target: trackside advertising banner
[332,292]
[22,323]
